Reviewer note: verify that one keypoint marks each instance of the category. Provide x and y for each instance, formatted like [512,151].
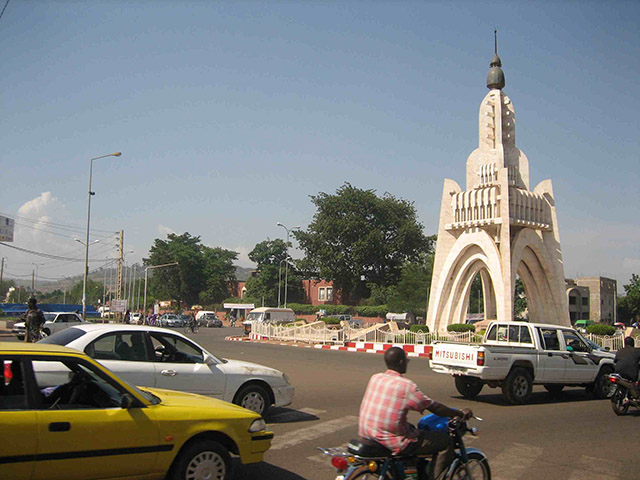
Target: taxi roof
[22,347]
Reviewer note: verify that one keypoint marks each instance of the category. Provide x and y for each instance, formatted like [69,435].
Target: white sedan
[161,358]
[54,322]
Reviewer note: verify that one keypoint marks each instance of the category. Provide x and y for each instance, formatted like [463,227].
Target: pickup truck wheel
[553,388]
[469,387]
[517,386]
[601,387]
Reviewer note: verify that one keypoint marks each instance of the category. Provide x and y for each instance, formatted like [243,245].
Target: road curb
[360,347]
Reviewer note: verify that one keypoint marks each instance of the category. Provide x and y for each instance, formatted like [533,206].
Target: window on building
[329,293]
[585,301]
[322,293]
[572,300]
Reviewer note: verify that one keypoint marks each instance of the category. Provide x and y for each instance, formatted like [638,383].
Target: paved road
[573,437]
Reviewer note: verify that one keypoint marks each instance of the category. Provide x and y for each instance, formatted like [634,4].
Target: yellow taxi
[64,416]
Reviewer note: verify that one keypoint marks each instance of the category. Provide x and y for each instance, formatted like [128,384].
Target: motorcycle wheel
[618,404]
[478,469]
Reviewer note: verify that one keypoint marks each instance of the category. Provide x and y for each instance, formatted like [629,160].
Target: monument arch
[497,228]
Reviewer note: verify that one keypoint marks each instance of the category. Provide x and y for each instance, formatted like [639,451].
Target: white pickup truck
[517,355]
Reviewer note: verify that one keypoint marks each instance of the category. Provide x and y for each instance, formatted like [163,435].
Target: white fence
[319,332]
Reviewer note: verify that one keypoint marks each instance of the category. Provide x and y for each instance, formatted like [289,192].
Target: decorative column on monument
[497,228]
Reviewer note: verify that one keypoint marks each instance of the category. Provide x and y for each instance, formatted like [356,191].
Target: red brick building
[316,292]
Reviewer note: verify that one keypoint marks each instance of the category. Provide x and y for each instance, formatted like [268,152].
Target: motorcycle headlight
[257,426]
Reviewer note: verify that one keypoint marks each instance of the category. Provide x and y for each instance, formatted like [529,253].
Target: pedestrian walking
[34,319]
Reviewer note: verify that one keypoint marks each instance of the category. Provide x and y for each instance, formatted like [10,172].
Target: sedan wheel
[203,460]
[254,398]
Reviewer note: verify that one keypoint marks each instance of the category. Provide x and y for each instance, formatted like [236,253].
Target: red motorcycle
[625,395]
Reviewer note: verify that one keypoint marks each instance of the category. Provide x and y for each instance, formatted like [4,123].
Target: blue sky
[231,114]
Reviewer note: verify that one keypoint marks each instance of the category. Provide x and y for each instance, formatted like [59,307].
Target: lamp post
[34,282]
[286,265]
[146,276]
[86,243]
[280,277]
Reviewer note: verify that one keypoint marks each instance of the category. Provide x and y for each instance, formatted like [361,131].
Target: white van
[268,314]
[204,312]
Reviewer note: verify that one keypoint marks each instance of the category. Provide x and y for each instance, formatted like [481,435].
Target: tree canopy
[202,272]
[357,237]
[271,255]
[629,304]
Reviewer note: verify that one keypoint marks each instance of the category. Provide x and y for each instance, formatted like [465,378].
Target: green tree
[182,282]
[18,295]
[4,288]
[94,293]
[520,301]
[270,256]
[219,273]
[355,234]
[413,287]
[629,304]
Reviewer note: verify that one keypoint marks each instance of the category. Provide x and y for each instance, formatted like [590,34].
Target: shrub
[303,308]
[372,310]
[331,320]
[461,327]
[601,329]
[419,329]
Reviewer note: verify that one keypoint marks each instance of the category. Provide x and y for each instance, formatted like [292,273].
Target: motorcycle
[625,395]
[362,461]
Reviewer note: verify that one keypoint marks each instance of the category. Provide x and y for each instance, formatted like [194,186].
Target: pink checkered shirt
[383,412]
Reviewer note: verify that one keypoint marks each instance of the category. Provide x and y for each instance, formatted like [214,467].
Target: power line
[5,7]
[61,226]
[45,255]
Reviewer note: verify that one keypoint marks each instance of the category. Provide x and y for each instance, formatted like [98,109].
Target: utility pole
[1,272]
[120,259]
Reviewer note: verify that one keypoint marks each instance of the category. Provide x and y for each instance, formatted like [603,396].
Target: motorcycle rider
[383,415]
[627,361]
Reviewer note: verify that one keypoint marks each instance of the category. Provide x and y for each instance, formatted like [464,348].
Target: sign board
[6,229]
[119,306]
[239,306]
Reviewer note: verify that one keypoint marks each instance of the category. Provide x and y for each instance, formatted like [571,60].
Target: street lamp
[146,271]
[280,278]
[286,265]
[34,282]
[86,243]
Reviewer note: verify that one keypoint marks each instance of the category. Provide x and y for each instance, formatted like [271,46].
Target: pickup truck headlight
[257,425]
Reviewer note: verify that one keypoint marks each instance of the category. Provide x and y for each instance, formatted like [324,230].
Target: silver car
[170,320]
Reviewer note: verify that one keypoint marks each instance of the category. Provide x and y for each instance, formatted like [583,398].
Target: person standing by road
[383,415]
[34,319]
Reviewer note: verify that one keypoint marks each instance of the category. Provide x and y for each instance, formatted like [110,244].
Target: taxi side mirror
[126,401]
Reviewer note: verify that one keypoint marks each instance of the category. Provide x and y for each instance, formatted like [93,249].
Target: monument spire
[495,78]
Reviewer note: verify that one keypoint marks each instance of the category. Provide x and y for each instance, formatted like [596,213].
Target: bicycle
[191,327]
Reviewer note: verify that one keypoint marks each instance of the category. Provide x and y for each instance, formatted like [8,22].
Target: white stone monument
[497,228]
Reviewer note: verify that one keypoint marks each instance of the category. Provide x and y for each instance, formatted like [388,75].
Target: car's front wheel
[254,398]
[202,460]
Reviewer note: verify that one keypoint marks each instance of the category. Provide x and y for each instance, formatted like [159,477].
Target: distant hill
[243,273]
